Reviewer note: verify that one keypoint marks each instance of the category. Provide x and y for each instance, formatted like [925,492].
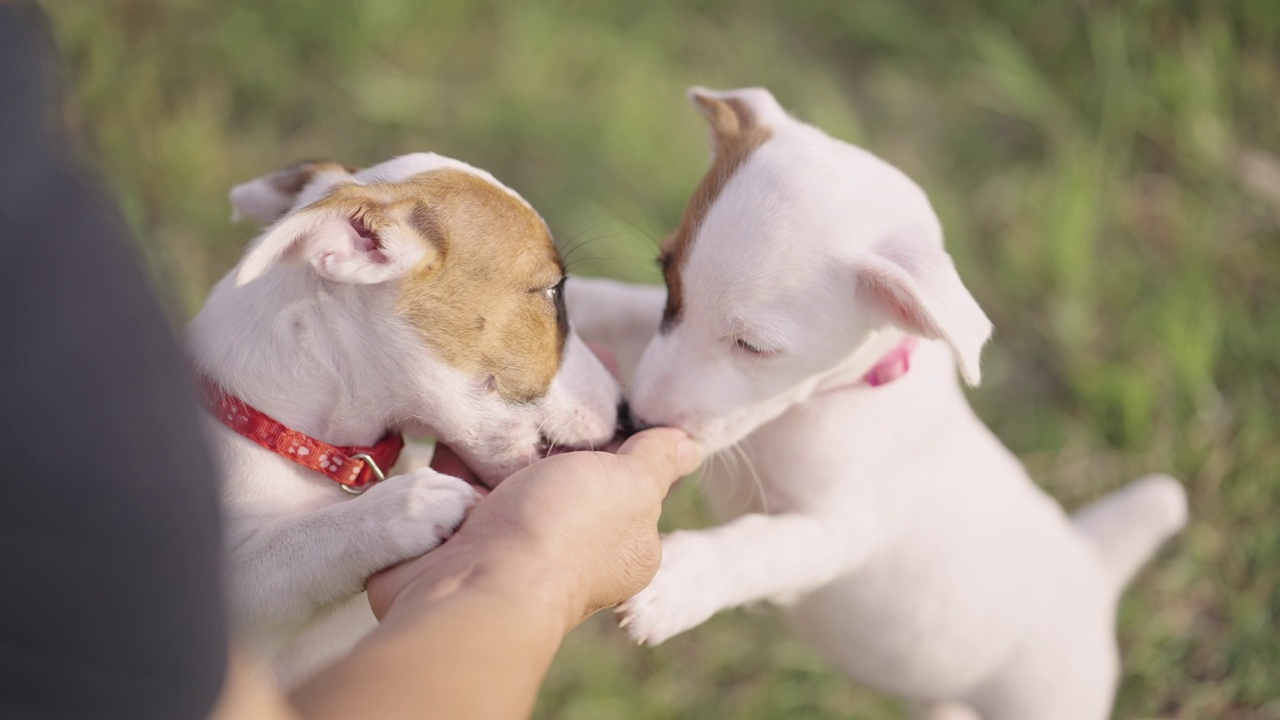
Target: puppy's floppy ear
[736,116]
[347,239]
[921,292]
[271,196]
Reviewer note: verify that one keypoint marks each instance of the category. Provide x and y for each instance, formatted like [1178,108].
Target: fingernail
[688,455]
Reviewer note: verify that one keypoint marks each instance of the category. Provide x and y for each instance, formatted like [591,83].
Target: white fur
[914,550]
[305,329]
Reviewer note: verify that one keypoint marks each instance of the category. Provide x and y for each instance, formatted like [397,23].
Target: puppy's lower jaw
[717,433]
[548,447]
[490,476]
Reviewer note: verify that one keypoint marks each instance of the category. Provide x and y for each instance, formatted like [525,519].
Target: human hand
[576,532]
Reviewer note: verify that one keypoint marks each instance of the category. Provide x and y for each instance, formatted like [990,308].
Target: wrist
[540,587]
[529,580]
[492,618]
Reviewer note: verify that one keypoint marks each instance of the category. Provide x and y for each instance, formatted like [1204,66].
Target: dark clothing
[110,605]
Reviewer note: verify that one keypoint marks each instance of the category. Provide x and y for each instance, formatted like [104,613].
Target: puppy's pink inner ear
[367,241]
[892,294]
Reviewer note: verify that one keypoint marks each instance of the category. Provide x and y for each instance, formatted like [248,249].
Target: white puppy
[419,296]
[814,319]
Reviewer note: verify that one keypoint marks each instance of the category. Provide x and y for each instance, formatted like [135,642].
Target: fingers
[665,454]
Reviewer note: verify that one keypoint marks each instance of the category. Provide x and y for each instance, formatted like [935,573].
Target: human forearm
[475,648]
[469,629]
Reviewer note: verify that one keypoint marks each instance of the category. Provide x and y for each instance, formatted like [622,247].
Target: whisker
[570,254]
[711,473]
[730,466]
[569,245]
[755,476]
[578,246]
[657,246]
[573,247]
[738,486]
[588,229]
[593,261]
[577,243]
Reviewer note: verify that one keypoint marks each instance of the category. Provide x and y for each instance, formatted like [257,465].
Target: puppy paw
[415,512]
[681,596]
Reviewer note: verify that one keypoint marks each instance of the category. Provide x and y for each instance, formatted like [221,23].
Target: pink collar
[893,365]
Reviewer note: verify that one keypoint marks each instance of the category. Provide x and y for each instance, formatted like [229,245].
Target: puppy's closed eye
[750,348]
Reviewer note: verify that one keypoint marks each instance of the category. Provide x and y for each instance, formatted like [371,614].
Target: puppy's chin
[490,473]
[719,433]
[714,437]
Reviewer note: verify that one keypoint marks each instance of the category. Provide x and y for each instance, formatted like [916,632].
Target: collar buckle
[370,465]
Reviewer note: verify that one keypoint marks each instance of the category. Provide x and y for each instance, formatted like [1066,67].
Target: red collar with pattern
[356,469]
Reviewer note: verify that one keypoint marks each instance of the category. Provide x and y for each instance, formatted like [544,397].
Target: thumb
[664,455]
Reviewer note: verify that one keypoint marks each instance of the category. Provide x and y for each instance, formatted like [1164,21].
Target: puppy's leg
[1066,675]
[756,557]
[286,570]
[622,316]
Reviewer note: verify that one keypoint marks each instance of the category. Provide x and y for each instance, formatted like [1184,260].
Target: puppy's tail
[1129,525]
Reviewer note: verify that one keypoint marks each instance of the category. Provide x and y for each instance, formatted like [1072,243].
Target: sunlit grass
[1108,180]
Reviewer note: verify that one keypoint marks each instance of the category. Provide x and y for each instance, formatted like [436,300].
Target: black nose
[626,428]
[628,423]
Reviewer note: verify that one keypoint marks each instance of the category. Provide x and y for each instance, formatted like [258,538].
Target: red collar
[356,469]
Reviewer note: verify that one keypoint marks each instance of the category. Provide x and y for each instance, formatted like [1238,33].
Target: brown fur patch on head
[736,134]
[481,301]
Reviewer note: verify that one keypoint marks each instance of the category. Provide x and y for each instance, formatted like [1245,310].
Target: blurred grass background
[1107,174]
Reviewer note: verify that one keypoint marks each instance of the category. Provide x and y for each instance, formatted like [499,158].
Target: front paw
[681,596]
[415,512]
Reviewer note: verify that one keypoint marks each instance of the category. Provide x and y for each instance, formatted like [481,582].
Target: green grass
[1107,174]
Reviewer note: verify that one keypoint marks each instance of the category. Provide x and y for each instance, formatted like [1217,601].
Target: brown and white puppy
[420,296]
